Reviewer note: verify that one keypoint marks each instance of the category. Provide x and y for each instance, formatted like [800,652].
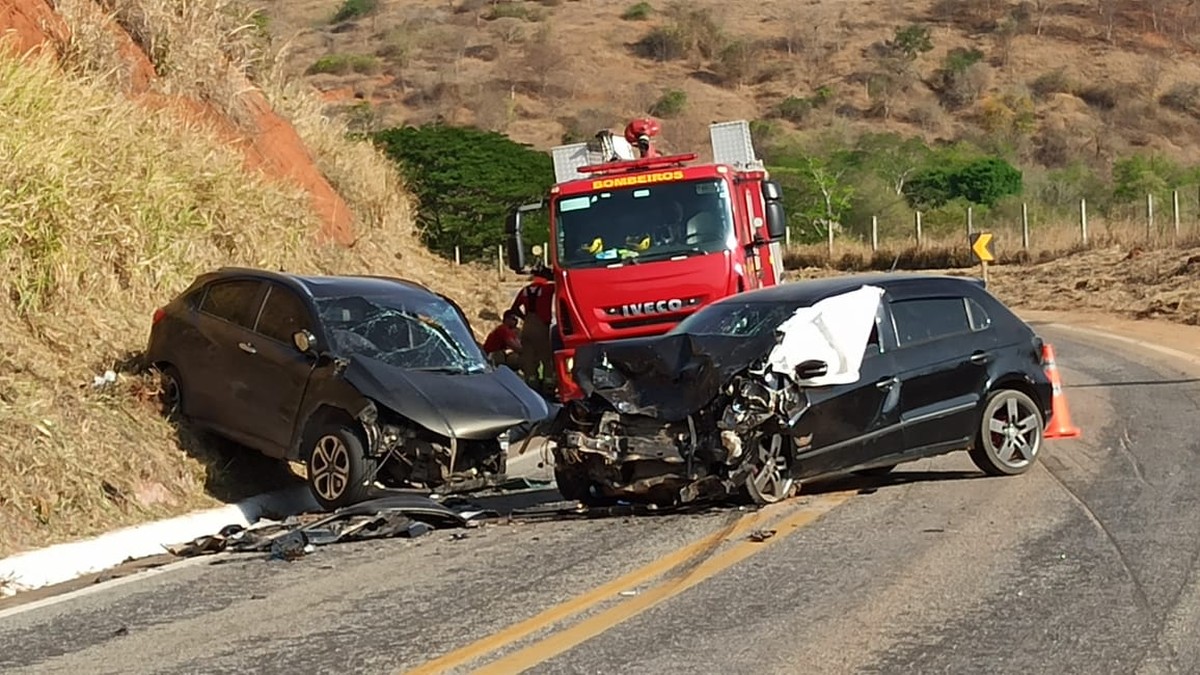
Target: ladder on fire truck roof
[731,144]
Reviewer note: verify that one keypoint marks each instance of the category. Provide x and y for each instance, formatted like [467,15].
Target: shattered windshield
[410,331]
[644,223]
[748,319]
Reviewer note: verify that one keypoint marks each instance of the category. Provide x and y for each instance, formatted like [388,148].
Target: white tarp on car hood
[834,330]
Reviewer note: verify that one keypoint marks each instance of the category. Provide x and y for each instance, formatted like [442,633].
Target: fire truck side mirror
[776,217]
[514,249]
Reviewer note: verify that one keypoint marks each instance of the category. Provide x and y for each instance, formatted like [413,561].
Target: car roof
[327,285]
[810,291]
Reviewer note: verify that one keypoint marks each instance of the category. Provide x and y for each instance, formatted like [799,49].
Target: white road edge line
[140,575]
[1149,346]
[65,562]
[56,564]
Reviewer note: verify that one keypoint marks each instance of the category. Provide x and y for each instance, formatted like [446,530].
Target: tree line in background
[466,180]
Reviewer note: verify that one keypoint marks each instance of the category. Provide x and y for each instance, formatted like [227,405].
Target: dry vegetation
[1069,79]
[107,208]
[1053,85]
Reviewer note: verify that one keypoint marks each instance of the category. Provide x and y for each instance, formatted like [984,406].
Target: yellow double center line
[787,518]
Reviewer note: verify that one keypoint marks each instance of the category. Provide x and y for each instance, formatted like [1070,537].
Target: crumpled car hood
[473,406]
[665,376]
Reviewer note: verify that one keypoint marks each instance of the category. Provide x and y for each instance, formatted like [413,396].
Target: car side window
[232,301]
[979,316]
[926,319]
[282,315]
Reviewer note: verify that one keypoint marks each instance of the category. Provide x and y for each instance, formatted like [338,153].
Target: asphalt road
[1087,564]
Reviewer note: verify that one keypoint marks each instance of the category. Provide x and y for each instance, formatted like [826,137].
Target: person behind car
[503,344]
[535,303]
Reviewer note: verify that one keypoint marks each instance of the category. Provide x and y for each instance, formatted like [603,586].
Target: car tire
[170,395]
[337,466]
[1010,435]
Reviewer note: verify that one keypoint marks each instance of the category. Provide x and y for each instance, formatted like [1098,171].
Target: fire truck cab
[639,243]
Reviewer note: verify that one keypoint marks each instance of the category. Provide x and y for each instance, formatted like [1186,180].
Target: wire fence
[1021,237]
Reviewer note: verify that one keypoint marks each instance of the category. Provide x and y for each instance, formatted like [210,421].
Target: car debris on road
[404,515]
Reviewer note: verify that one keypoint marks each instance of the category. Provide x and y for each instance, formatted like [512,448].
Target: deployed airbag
[834,330]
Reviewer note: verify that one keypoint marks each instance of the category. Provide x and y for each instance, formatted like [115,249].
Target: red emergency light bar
[646,163]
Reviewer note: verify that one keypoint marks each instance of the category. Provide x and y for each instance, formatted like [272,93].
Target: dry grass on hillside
[108,208]
[1101,83]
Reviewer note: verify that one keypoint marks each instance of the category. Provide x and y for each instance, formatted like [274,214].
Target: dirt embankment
[269,142]
[146,141]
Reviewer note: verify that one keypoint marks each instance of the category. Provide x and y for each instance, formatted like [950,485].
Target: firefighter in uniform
[535,303]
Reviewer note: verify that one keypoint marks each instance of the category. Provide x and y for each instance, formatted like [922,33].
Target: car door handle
[980,358]
[247,347]
[886,383]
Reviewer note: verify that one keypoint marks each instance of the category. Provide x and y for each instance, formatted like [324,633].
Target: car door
[209,369]
[853,424]
[943,370]
[274,371]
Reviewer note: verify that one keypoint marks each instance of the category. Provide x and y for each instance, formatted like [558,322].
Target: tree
[983,180]
[815,193]
[892,157]
[466,180]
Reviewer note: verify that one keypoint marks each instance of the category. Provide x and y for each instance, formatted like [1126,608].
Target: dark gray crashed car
[365,379]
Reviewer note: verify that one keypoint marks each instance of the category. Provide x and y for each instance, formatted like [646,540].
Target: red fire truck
[637,243]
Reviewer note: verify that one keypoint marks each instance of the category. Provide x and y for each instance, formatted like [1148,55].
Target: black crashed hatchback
[367,380]
[759,391]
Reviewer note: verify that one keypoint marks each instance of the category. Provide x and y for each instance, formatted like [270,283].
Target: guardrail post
[918,229]
[457,256]
[1175,207]
[874,233]
[1149,217]
[970,220]
[500,262]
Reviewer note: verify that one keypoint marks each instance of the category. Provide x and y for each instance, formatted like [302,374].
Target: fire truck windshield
[644,223]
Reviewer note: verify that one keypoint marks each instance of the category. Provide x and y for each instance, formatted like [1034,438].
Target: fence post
[1025,226]
[970,220]
[546,253]
[1149,216]
[918,229]
[500,262]
[874,233]
[1175,207]
[831,242]
[457,256]
[787,236]
[1083,220]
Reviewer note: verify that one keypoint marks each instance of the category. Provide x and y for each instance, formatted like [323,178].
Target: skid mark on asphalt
[703,556]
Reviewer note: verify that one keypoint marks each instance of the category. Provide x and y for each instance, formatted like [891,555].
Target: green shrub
[353,9]
[341,64]
[639,12]
[670,104]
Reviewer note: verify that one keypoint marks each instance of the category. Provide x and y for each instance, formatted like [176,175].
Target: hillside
[1056,81]
[144,142]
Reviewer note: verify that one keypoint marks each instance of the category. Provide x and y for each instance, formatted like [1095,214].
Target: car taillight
[158,315]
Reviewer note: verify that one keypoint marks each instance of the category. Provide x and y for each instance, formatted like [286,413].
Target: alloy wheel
[1014,432]
[768,481]
[329,467]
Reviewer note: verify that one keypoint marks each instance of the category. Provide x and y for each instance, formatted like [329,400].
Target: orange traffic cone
[1059,425]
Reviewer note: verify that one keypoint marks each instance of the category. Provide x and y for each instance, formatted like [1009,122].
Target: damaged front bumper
[641,459]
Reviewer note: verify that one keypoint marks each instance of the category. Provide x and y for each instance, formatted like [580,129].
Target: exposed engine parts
[731,447]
